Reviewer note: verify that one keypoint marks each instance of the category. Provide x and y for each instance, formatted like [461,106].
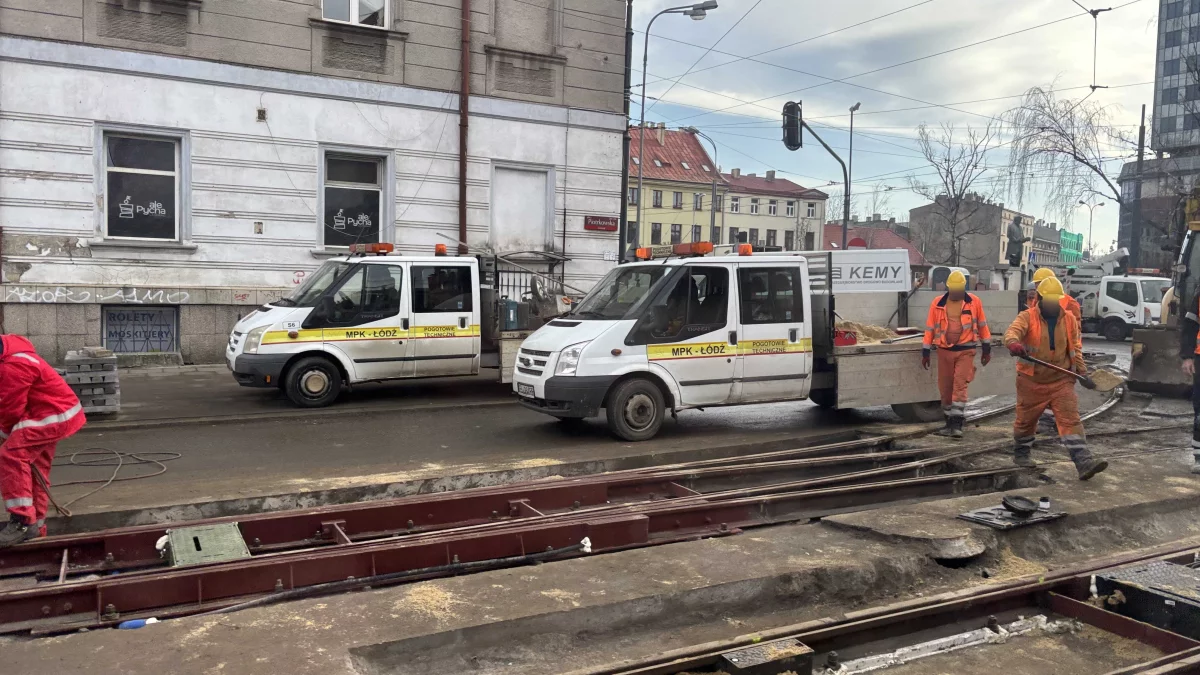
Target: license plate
[525,390]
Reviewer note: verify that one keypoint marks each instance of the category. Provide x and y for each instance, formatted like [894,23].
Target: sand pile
[867,332]
[1106,380]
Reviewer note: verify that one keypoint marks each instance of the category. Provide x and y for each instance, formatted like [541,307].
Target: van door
[363,317]
[686,330]
[1121,299]
[445,318]
[774,340]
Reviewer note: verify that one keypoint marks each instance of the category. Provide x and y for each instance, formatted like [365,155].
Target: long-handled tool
[1105,382]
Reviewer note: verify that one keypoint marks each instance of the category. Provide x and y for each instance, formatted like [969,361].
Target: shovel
[1105,382]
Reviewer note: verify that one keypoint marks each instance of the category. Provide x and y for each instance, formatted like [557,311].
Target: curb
[304,413]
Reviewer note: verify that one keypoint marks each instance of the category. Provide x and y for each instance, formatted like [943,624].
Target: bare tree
[1065,144]
[834,214]
[957,188]
[878,199]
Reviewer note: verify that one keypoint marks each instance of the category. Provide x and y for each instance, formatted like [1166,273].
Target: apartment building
[773,211]
[168,165]
[979,239]
[677,188]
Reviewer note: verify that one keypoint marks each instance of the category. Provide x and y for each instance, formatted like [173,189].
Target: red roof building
[876,238]
[670,155]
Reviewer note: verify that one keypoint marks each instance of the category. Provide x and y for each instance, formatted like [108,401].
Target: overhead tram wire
[709,50]
[845,80]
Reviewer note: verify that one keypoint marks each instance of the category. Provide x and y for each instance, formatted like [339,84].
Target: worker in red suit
[37,410]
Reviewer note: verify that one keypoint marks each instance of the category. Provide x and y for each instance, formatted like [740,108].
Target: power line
[709,50]
[800,42]
[903,63]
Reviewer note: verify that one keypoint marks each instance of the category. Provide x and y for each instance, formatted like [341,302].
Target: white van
[362,319]
[689,331]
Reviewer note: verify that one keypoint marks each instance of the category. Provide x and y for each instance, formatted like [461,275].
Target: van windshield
[619,291]
[306,295]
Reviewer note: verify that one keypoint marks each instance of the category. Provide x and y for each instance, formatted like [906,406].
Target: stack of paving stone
[92,374]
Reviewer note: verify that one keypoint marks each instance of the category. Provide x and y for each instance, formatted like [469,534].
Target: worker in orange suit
[956,326]
[1049,334]
[1069,304]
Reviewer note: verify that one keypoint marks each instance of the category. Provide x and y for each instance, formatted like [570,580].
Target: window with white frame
[359,12]
[698,201]
[753,206]
[735,204]
[772,208]
[353,193]
[141,185]
[812,210]
[791,209]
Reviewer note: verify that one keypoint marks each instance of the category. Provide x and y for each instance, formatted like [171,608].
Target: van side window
[370,293]
[1123,291]
[696,304]
[441,288]
[770,295]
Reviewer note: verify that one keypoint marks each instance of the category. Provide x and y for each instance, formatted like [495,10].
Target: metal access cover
[1000,518]
[206,544]
[1159,593]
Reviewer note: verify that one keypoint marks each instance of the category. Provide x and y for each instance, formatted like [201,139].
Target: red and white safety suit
[37,410]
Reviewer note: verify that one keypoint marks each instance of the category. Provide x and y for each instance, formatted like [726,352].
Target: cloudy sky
[1020,52]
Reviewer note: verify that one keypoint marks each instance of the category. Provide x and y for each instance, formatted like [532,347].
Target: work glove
[925,359]
[986,358]
[1016,349]
[1087,382]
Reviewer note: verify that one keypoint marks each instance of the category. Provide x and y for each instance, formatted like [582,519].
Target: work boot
[947,430]
[956,426]
[1023,452]
[1089,466]
[14,532]
[1195,463]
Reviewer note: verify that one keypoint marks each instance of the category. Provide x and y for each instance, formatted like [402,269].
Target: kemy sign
[871,271]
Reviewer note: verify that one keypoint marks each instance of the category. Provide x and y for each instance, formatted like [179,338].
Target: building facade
[212,154]
[1165,185]
[677,187]
[1070,247]
[1046,244]
[983,235]
[1176,109]
[773,212]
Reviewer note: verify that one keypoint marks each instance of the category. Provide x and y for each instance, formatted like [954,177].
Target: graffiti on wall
[67,294]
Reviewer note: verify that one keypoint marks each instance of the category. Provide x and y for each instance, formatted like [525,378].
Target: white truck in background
[1114,300]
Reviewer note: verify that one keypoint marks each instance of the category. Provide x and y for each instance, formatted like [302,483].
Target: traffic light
[793,136]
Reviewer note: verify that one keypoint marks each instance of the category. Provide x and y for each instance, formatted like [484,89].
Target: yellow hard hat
[1051,289]
[956,281]
[1042,274]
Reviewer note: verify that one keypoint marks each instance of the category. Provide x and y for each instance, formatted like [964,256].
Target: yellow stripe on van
[689,350]
[354,334]
[759,347]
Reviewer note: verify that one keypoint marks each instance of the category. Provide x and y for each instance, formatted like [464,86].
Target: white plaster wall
[243,171]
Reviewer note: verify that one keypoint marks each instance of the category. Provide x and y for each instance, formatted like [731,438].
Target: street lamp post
[1091,213]
[712,206]
[697,11]
[849,172]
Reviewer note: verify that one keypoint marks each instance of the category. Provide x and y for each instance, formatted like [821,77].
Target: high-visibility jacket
[1029,329]
[1070,305]
[36,404]
[974,324]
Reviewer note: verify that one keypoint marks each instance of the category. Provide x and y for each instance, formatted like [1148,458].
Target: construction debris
[866,332]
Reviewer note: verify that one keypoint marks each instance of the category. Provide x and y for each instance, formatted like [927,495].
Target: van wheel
[824,398]
[1114,331]
[635,410]
[313,382]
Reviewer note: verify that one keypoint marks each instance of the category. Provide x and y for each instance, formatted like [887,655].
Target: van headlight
[254,339]
[568,362]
